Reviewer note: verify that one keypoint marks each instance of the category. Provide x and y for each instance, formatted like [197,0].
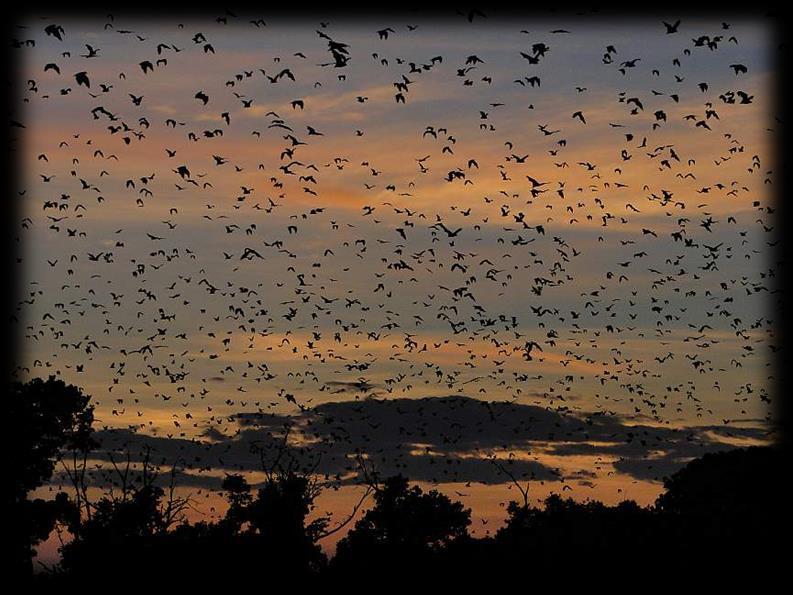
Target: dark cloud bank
[442,439]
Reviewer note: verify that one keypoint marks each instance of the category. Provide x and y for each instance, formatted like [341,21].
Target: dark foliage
[406,528]
[720,511]
[47,418]
[141,531]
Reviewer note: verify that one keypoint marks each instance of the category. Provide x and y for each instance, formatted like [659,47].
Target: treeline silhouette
[718,512]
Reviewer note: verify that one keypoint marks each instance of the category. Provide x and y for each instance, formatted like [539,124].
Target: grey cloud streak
[442,439]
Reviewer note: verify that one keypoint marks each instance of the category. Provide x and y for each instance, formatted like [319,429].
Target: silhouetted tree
[727,506]
[586,535]
[138,525]
[47,418]
[238,493]
[128,524]
[717,510]
[280,513]
[736,482]
[405,527]
[721,509]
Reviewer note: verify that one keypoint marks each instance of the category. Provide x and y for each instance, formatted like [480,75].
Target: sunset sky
[296,271]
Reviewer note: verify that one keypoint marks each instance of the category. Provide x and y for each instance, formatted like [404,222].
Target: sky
[548,241]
